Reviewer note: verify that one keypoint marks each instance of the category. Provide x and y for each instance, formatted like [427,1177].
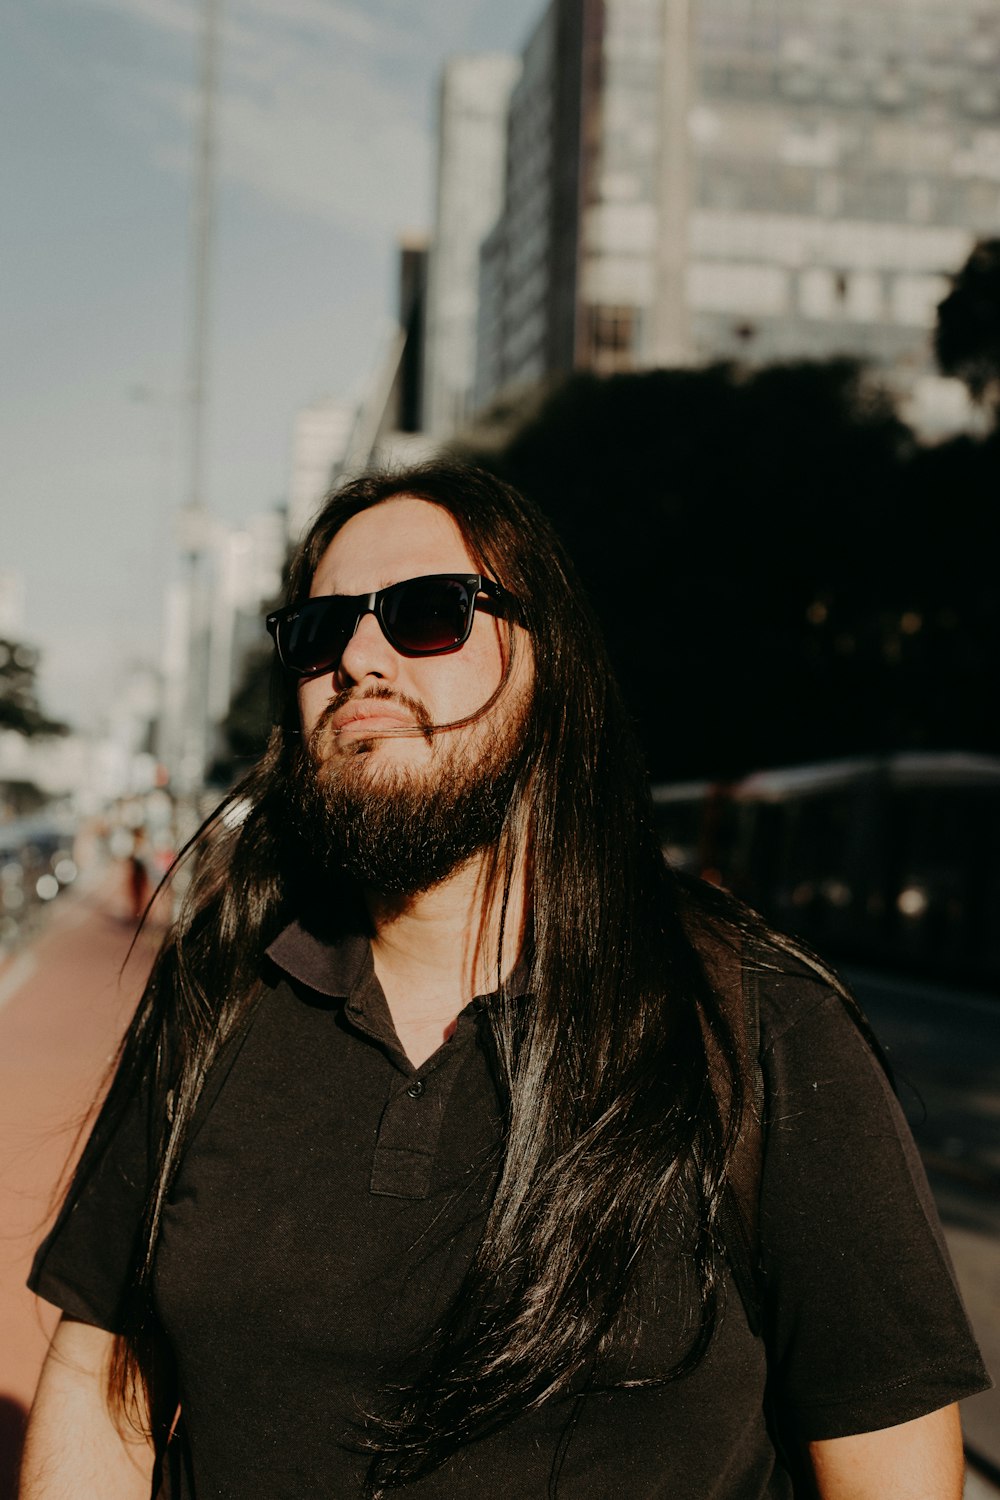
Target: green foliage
[781,573]
[19,706]
[967,338]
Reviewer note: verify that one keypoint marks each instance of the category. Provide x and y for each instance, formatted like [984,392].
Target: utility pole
[191,743]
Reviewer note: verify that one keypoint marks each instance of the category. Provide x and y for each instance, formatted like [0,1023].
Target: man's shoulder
[774,980]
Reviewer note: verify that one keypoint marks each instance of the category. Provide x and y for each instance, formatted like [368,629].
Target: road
[65,999]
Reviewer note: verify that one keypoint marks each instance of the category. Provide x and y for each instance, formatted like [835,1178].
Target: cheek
[477,669]
[314,694]
[498,655]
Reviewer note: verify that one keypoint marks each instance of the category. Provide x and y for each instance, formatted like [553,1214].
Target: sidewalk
[977,1266]
[63,1006]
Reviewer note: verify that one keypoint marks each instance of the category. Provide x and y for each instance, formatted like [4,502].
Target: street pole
[194,521]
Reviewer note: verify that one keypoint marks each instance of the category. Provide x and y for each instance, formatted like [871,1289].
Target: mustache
[423,723]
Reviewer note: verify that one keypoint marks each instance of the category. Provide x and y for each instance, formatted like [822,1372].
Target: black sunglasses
[418,617]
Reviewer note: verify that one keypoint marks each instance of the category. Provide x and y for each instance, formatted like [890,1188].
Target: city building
[689,180]
[389,429]
[846,156]
[213,619]
[471,151]
[320,439]
[248,571]
[528,273]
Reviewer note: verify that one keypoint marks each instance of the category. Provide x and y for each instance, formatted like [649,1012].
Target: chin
[376,750]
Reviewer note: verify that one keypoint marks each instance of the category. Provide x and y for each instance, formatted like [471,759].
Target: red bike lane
[64,1001]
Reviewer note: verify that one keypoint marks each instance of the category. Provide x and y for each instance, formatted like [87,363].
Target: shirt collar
[330,967]
[342,968]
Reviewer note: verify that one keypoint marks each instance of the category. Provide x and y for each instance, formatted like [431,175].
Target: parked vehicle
[36,863]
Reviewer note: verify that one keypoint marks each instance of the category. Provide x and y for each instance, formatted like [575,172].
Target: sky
[325,156]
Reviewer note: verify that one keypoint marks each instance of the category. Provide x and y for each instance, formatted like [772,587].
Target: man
[426,1159]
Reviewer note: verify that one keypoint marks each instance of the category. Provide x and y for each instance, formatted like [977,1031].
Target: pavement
[976,1256]
[65,999]
[64,1002]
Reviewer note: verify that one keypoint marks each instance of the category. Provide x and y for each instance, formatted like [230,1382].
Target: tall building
[208,635]
[695,179]
[389,428]
[846,157]
[320,440]
[248,563]
[528,296]
[471,137]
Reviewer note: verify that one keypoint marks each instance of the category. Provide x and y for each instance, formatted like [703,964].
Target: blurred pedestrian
[137,875]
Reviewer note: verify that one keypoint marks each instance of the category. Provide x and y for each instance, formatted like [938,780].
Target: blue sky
[325,153]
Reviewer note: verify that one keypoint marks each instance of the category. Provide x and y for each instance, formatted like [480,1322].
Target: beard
[400,830]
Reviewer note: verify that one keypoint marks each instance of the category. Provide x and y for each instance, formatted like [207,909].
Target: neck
[434,952]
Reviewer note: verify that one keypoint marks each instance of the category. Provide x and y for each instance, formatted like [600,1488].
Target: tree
[967,337]
[733,530]
[20,709]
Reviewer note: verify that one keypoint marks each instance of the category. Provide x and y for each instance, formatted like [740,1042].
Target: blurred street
[64,1000]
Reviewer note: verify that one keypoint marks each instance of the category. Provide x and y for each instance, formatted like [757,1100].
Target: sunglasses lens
[317,636]
[420,615]
[428,614]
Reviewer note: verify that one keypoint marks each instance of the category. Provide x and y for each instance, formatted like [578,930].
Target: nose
[367,654]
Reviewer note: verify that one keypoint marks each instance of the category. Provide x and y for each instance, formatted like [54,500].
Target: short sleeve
[866,1325]
[84,1264]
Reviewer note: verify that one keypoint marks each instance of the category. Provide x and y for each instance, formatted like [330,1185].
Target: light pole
[189,742]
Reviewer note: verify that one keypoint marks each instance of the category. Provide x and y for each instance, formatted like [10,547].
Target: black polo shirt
[331,1197]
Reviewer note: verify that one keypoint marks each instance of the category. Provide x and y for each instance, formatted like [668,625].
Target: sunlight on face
[378,703]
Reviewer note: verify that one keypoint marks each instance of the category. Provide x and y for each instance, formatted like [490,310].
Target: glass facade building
[847,156]
[698,179]
[527,281]
[472,118]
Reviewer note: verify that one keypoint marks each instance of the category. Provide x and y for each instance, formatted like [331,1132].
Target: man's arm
[73,1449]
[919,1460]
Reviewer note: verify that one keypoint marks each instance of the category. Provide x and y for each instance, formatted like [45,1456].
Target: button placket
[409,1133]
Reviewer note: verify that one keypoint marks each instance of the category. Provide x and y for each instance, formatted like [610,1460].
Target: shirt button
[416,1088]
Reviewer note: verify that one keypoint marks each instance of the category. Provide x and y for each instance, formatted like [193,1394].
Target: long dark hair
[624,1088]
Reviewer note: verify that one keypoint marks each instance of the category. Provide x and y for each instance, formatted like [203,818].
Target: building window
[612,332]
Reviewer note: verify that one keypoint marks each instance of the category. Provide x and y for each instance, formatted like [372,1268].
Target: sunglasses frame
[501,603]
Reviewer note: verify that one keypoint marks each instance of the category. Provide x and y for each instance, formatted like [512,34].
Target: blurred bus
[886,861]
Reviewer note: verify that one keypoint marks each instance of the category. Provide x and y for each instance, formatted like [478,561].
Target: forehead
[399,538]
